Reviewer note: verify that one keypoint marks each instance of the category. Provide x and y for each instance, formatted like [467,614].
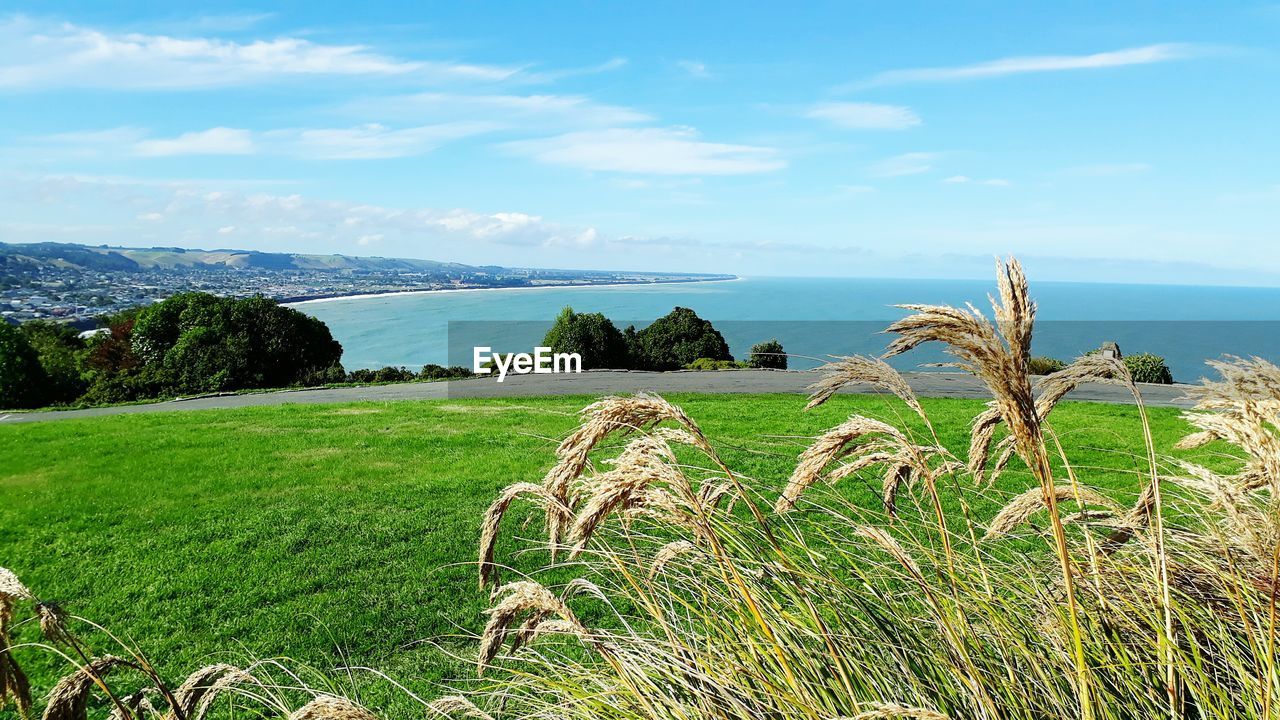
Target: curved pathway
[602,382]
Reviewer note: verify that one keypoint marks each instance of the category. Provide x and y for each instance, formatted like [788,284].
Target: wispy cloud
[42,55]
[558,111]
[695,69]
[197,213]
[544,76]
[913,163]
[214,141]
[362,142]
[1144,55]
[372,141]
[965,179]
[864,116]
[651,151]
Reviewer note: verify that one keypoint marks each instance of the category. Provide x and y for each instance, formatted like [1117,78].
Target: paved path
[927,384]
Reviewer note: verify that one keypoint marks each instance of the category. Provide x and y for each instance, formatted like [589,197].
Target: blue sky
[1096,141]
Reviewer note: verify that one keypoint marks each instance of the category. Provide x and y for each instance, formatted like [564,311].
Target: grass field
[347,534]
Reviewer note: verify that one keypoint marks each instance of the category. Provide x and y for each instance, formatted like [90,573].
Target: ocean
[813,318]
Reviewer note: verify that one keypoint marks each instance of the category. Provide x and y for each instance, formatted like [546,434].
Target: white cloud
[652,151]
[547,76]
[560,111]
[151,216]
[1033,64]
[371,141]
[913,163]
[695,69]
[40,55]
[214,141]
[956,179]
[864,116]
[362,142]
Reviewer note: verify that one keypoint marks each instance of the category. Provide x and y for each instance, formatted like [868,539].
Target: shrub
[388,374]
[768,354]
[1148,368]
[22,379]
[61,352]
[593,336]
[114,372]
[675,340]
[1042,365]
[439,372]
[709,364]
[332,375]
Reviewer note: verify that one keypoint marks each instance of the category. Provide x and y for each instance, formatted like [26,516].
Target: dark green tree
[61,353]
[677,339]
[591,335]
[22,379]
[768,354]
[197,342]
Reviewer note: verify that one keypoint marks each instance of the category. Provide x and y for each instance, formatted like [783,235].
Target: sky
[1114,142]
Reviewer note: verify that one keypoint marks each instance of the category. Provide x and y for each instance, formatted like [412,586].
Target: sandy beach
[365,296]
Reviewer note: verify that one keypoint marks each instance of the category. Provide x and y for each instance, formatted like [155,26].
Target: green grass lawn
[347,533]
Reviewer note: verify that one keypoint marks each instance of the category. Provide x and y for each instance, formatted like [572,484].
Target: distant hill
[103,258]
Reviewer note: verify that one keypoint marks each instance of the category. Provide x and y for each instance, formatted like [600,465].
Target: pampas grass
[825,610]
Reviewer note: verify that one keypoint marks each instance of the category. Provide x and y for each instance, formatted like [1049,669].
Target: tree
[22,379]
[115,373]
[61,351]
[196,342]
[591,335]
[677,339]
[768,354]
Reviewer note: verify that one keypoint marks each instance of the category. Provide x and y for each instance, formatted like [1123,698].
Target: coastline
[387,293]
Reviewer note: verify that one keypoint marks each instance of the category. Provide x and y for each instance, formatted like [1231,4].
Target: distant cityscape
[78,284]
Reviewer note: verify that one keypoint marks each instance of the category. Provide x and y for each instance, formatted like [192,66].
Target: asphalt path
[596,383]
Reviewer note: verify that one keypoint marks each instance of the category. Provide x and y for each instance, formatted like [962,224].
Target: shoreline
[387,293]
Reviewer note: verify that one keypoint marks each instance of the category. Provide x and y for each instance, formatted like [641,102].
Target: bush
[440,372]
[114,372]
[675,340]
[22,379]
[1042,365]
[593,336]
[710,364]
[387,374]
[1148,368]
[60,351]
[332,375]
[768,354]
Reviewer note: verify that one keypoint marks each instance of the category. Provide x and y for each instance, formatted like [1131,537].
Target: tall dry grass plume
[1071,600]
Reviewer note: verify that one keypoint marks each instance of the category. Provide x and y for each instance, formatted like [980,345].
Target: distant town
[78,284]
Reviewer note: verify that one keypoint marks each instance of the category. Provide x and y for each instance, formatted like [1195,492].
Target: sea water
[813,318]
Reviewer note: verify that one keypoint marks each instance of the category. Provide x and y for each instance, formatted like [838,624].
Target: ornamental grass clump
[1070,601]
